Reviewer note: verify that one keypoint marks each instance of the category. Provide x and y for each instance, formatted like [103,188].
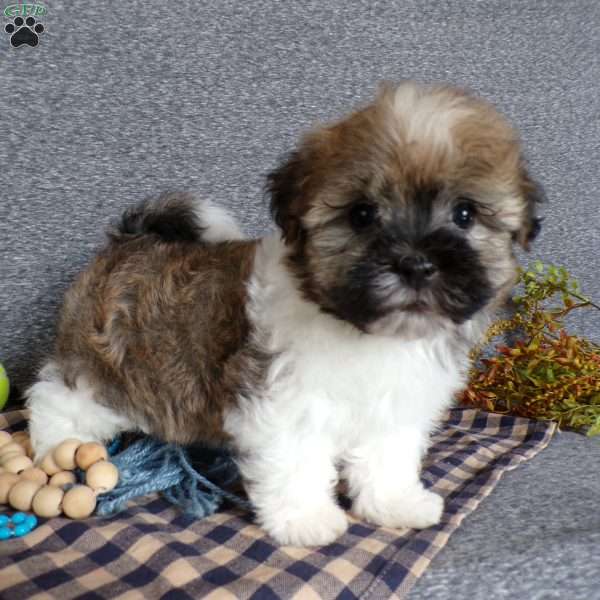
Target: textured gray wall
[122,100]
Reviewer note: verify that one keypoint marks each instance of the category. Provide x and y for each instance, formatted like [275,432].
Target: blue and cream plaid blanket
[153,551]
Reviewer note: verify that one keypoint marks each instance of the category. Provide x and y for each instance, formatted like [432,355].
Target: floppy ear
[532,224]
[292,185]
[285,186]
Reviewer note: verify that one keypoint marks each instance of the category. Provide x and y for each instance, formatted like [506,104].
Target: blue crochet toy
[193,479]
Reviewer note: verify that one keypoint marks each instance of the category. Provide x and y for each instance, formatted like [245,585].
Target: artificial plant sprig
[544,372]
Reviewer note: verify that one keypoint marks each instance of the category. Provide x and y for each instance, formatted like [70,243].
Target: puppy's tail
[177,217]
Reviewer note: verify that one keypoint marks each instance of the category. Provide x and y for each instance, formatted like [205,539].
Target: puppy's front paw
[416,508]
[316,526]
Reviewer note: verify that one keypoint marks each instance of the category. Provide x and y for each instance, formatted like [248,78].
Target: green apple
[4,387]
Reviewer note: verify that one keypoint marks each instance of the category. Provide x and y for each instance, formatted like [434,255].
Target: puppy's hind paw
[317,526]
[417,509]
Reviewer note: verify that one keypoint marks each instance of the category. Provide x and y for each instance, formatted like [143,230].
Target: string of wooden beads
[51,488]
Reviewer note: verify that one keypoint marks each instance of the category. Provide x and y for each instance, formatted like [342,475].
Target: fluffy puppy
[326,350]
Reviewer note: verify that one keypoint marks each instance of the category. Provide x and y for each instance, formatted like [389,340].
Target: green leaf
[593,430]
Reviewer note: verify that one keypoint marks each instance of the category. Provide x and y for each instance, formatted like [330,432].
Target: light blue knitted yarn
[148,466]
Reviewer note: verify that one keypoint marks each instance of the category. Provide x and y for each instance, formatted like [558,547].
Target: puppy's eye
[362,215]
[463,214]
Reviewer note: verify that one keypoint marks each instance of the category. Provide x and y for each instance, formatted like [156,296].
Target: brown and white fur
[328,349]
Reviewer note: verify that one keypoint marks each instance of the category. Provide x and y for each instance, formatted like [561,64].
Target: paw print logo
[24,31]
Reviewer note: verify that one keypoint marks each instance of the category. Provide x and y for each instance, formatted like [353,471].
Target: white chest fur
[337,402]
[329,379]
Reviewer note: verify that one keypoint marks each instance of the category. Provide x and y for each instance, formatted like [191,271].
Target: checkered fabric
[153,551]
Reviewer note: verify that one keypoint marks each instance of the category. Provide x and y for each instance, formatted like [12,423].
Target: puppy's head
[401,218]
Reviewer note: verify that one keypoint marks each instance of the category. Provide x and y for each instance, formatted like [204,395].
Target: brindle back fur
[159,331]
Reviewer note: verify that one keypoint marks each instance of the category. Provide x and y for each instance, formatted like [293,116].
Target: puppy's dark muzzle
[416,270]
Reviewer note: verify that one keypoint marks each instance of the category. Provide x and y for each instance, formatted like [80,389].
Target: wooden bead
[48,465]
[34,474]
[22,493]
[28,449]
[64,454]
[18,464]
[79,502]
[5,438]
[11,449]
[7,480]
[20,437]
[102,476]
[47,502]
[6,457]
[90,453]
[62,478]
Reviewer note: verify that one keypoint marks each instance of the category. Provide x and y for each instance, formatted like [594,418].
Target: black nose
[415,270]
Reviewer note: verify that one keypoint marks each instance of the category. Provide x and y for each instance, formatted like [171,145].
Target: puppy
[326,350]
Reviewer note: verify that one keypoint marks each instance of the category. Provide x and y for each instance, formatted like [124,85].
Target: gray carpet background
[120,101]
[123,100]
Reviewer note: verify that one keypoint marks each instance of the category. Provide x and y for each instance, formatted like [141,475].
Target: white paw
[44,439]
[416,508]
[59,412]
[316,526]
[40,448]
